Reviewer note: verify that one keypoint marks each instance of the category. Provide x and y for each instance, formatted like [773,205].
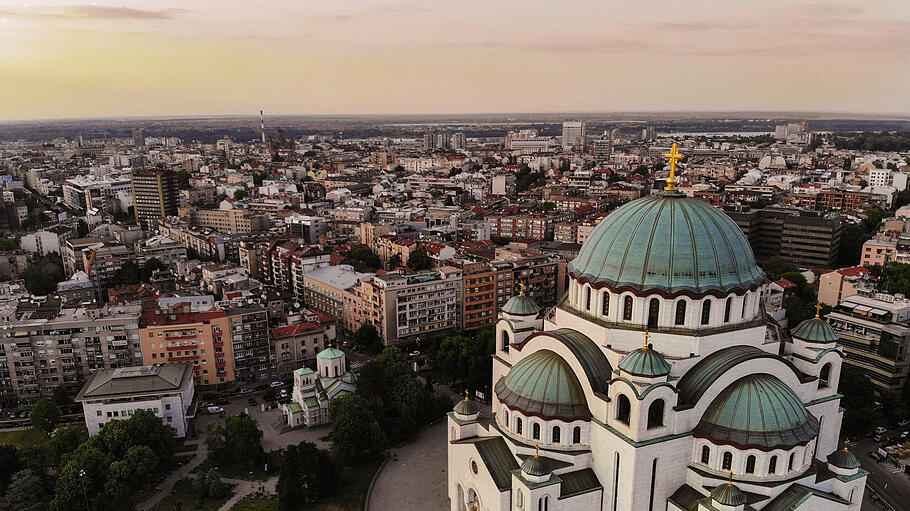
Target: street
[892,485]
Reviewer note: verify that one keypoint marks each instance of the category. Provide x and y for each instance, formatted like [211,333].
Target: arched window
[535,431]
[824,376]
[544,503]
[706,311]
[744,306]
[576,435]
[656,414]
[790,463]
[454,435]
[519,499]
[587,298]
[705,454]
[518,425]
[750,465]
[623,409]
[653,312]
[505,340]
[627,308]
[605,308]
[727,461]
[727,309]
[680,312]
[556,434]
[505,417]
[772,465]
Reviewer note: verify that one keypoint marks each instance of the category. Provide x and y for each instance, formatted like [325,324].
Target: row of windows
[727,461]
[654,309]
[555,432]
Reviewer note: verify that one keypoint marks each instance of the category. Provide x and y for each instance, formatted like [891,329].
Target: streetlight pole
[84,494]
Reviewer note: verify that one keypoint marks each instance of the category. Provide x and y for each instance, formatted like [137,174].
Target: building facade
[203,338]
[155,195]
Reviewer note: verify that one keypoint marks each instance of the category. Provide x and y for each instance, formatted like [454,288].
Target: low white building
[41,243]
[313,390]
[116,394]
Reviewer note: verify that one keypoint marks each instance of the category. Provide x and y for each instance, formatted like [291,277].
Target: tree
[128,474]
[893,405]
[61,397]
[395,261]
[209,485]
[776,266]
[549,206]
[307,476]
[150,267]
[44,415]
[367,337]
[858,401]
[25,493]
[239,194]
[9,465]
[239,442]
[128,274]
[354,429]
[418,259]
[81,229]
[37,281]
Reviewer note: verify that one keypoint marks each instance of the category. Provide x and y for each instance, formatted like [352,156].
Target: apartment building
[336,292]
[873,328]
[154,195]
[227,221]
[412,306]
[878,252]
[253,354]
[47,347]
[801,237]
[479,295]
[172,337]
[295,345]
[836,285]
[162,248]
[526,227]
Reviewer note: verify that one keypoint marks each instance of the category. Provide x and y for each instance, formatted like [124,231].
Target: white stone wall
[169,408]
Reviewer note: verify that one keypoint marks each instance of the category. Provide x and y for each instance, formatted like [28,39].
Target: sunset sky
[358,57]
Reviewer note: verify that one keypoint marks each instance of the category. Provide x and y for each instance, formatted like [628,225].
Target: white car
[414,353]
[283,393]
[215,409]
[880,430]
[275,384]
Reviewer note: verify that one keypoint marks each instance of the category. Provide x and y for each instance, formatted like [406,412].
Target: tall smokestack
[262,125]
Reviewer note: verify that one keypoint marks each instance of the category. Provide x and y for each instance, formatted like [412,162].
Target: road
[887,480]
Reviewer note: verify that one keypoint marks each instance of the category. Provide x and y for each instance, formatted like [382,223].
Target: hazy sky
[344,56]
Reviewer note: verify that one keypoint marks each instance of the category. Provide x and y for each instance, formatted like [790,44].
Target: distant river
[715,134]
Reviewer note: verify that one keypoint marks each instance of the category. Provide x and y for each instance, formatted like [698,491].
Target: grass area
[236,471]
[184,494]
[257,504]
[21,438]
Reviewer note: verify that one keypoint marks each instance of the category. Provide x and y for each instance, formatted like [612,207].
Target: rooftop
[136,380]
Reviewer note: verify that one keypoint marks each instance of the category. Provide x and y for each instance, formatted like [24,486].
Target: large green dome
[543,384]
[671,243]
[758,411]
[815,330]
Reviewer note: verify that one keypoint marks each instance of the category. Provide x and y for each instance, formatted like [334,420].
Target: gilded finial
[647,336]
[730,481]
[466,395]
[537,447]
[673,156]
[846,443]
[521,288]
[818,309]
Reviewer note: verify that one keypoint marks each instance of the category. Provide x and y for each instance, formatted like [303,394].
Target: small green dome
[728,495]
[671,243]
[815,330]
[645,362]
[303,371]
[535,466]
[758,411]
[843,459]
[543,384]
[467,407]
[521,305]
[330,353]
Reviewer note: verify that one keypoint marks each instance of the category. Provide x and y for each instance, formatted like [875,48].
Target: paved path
[244,489]
[418,479]
[164,489]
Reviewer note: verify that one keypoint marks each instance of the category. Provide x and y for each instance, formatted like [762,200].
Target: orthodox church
[655,384]
[309,405]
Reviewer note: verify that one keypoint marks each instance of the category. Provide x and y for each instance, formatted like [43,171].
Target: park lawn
[257,504]
[30,437]
[183,492]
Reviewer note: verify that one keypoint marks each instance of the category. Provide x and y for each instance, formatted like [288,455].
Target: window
[627,308]
[772,465]
[750,465]
[656,414]
[705,454]
[544,503]
[535,431]
[605,308]
[505,419]
[727,309]
[505,341]
[727,462]
[99,413]
[790,463]
[167,406]
[623,409]
[680,313]
[824,376]
[587,298]
[653,312]
[518,425]
[556,434]
[706,312]
[576,435]
[519,499]
[744,306]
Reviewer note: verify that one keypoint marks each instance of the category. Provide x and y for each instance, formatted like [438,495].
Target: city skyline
[132,59]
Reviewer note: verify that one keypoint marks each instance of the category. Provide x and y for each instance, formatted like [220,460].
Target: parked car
[880,430]
[878,438]
[246,391]
[283,393]
[206,405]
[275,384]
[222,401]
[905,434]
[251,401]
[215,409]
[414,353]
[903,422]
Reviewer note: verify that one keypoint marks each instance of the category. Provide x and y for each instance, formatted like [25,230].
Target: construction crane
[91,261]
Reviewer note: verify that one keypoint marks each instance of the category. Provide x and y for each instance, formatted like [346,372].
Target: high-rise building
[154,195]
[171,337]
[251,346]
[458,141]
[573,135]
[138,137]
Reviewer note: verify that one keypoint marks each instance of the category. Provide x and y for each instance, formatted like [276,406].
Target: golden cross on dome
[846,443]
[673,156]
[538,451]
[818,309]
[466,395]
[521,288]
[647,336]
[730,482]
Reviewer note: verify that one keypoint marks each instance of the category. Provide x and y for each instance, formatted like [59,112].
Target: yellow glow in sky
[196,57]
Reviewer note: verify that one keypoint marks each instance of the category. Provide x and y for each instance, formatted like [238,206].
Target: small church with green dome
[313,390]
[655,384]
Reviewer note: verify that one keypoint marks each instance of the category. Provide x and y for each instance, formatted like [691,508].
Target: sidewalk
[242,488]
[164,489]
